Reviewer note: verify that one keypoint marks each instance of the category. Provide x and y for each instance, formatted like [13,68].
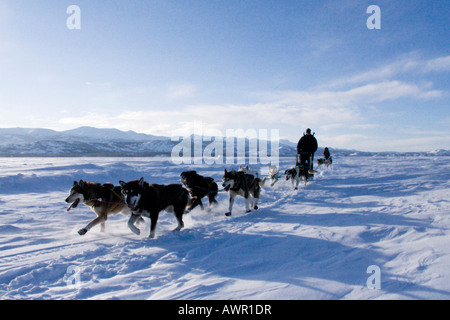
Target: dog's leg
[230,207]
[179,217]
[256,195]
[247,202]
[83,231]
[140,220]
[131,221]
[255,205]
[212,200]
[153,219]
[93,223]
[247,199]
[273,182]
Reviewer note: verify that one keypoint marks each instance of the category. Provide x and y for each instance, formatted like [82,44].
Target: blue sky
[160,67]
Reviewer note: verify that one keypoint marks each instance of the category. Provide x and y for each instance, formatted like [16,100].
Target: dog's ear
[141,182]
[225,171]
[81,183]
[75,183]
[122,184]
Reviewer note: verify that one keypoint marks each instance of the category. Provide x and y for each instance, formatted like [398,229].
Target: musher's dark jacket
[307,143]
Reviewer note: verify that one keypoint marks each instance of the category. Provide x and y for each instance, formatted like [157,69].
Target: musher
[306,148]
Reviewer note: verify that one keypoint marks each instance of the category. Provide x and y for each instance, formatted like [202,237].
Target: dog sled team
[138,198]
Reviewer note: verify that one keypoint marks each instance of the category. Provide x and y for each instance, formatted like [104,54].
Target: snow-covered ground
[391,212]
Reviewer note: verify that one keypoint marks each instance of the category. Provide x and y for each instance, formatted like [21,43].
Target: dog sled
[305,166]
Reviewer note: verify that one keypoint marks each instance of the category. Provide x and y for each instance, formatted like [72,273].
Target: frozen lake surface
[391,212]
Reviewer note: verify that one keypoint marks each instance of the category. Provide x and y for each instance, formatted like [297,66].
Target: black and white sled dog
[243,184]
[104,199]
[296,174]
[199,187]
[148,200]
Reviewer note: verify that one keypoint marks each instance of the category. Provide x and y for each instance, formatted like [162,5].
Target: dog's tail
[262,182]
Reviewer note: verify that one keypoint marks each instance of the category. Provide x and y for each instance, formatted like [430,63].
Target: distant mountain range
[80,142]
[86,133]
[89,141]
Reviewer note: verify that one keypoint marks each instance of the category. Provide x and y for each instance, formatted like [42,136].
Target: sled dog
[243,184]
[295,175]
[199,187]
[298,173]
[248,170]
[148,200]
[326,162]
[274,175]
[104,199]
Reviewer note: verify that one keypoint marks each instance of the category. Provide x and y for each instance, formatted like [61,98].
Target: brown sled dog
[104,199]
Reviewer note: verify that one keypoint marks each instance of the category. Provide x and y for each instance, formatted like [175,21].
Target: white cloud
[440,64]
[343,140]
[326,110]
[415,141]
[365,94]
[419,143]
[181,91]
[98,85]
[400,67]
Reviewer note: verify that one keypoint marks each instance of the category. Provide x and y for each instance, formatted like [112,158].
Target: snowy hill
[322,241]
